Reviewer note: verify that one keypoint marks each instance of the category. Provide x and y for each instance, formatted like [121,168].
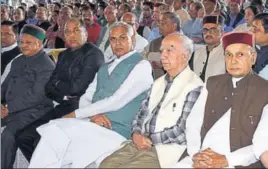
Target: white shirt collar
[124,56]
[235,80]
[5,49]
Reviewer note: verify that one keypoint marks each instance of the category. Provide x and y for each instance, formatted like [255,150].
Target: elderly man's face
[18,15]
[8,37]
[4,14]
[239,59]
[166,26]
[121,42]
[29,45]
[173,54]
[260,36]
[211,33]
[75,35]
[209,6]
[110,15]
[41,14]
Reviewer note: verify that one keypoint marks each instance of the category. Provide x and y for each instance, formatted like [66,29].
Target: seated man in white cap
[220,129]
[23,91]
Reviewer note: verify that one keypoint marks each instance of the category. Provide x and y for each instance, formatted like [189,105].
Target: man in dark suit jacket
[22,92]
[10,49]
[41,16]
[75,70]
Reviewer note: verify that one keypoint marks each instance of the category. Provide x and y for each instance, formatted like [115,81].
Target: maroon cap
[217,19]
[238,37]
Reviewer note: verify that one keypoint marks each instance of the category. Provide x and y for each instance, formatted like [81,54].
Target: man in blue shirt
[260,30]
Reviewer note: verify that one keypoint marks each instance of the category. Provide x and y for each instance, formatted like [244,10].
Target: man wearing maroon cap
[235,16]
[209,60]
[222,123]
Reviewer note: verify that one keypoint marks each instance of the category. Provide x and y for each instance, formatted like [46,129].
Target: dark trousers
[28,138]
[14,123]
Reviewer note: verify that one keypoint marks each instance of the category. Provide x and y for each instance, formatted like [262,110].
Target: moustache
[208,36]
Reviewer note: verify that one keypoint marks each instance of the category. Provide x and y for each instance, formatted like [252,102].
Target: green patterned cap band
[34,31]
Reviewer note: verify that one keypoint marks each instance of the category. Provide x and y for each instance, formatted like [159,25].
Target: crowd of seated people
[135,84]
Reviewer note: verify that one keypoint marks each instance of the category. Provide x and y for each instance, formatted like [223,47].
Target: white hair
[187,43]
[130,30]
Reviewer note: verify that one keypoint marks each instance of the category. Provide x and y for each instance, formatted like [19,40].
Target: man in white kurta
[74,141]
[140,44]
[208,60]
[227,142]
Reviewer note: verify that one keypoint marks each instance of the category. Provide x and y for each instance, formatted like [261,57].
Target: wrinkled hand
[4,111]
[141,141]
[70,115]
[101,120]
[209,159]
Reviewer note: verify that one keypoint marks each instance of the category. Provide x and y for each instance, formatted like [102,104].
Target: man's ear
[137,25]
[253,57]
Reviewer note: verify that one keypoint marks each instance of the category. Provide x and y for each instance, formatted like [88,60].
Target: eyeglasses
[210,30]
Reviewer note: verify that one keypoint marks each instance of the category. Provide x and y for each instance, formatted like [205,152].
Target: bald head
[128,17]
[41,14]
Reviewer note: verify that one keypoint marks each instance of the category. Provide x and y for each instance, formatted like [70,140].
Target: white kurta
[141,43]
[216,62]
[260,138]
[217,137]
[76,143]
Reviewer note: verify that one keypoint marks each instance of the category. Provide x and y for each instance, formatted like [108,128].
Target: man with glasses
[260,30]
[140,43]
[103,120]
[9,47]
[75,70]
[209,60]
[23,95]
